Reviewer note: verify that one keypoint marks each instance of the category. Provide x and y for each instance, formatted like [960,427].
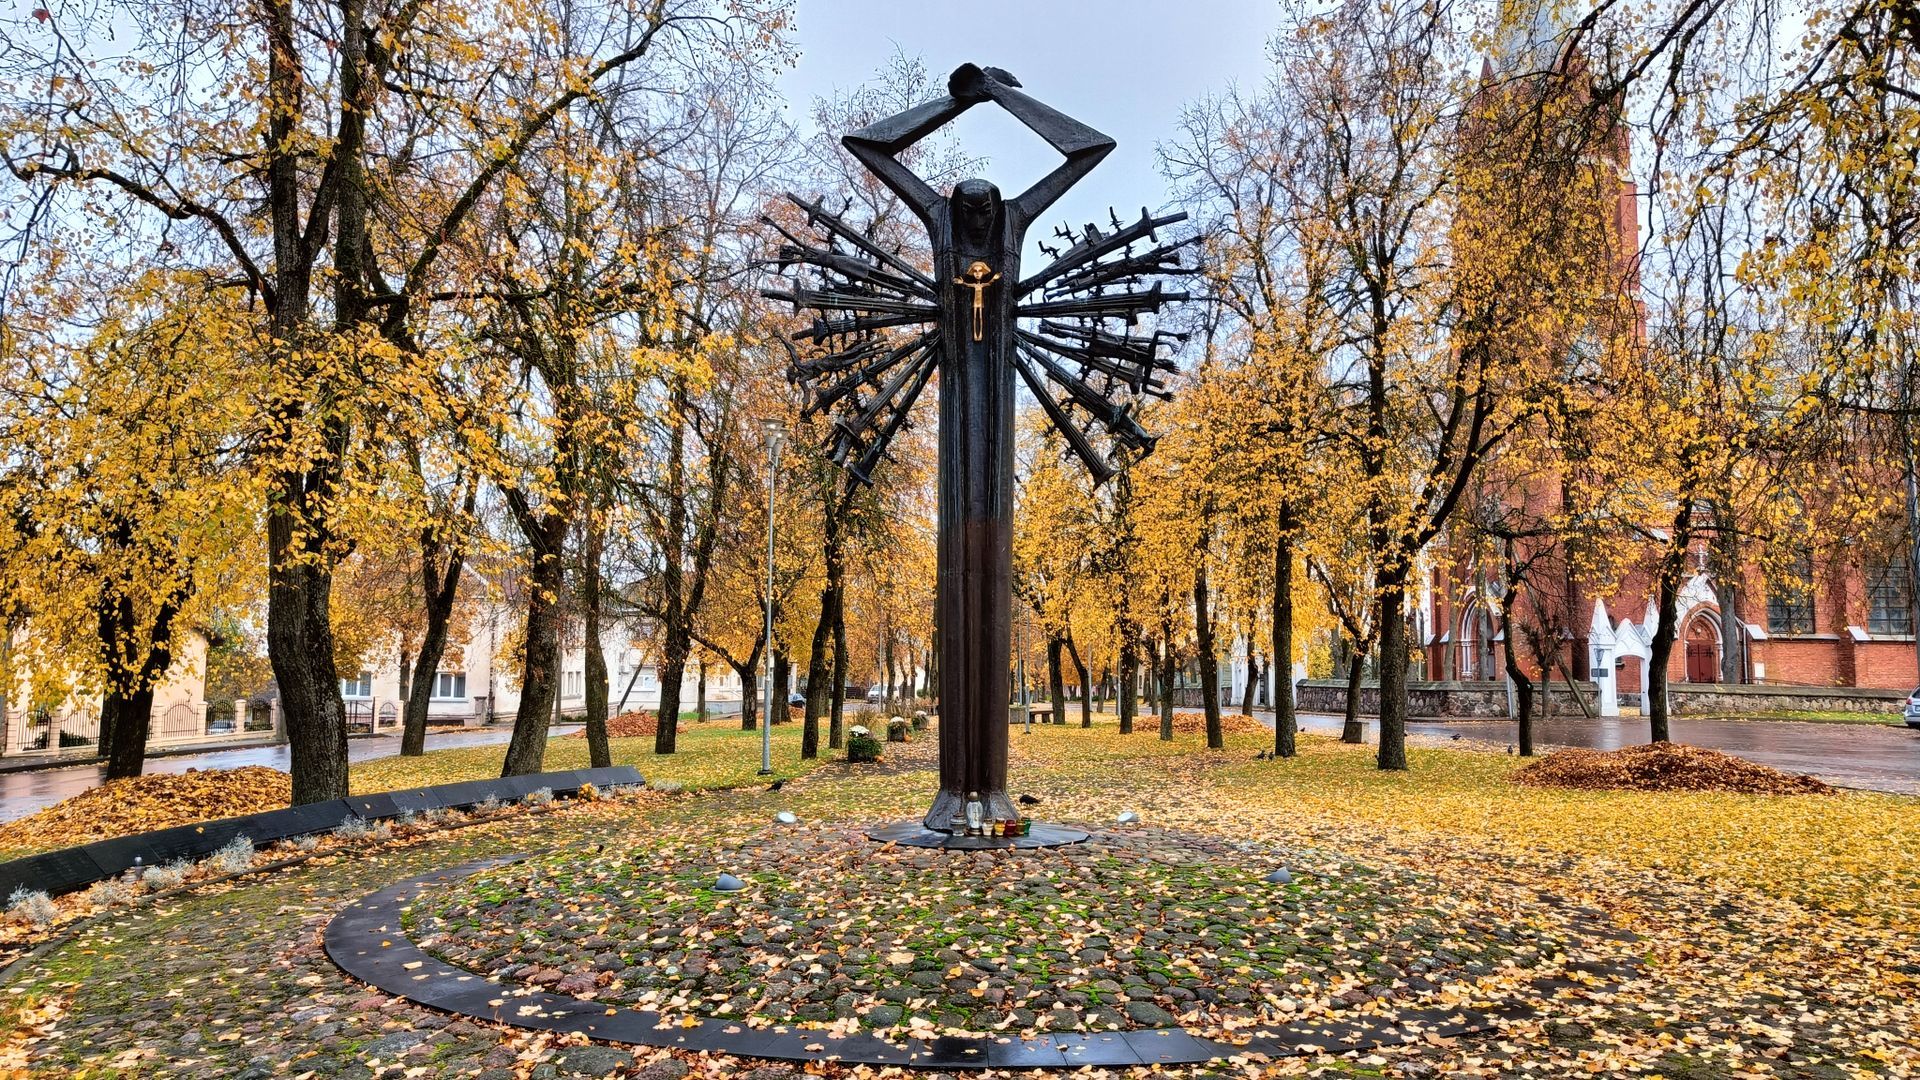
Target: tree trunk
[749,696]
[1280,668]
[627,691]
[1727,594]
[1393,678]
[700,700]
[819,657]
[892,676]
[819,660]
[685,568]
[1169,668]
[675,647]
[599,751]
[782,687]
[300,647]
[1209,663]
[1056,683]
[129,754]
[114,630]
[1253,679]
[1522,685]
[406,694]
[439,585]
[933,672]
[749,672]
[540,670]
[1086,683]
[1129,676]
[836,728]
[1149,693]
[126,710]
[1661,647]
[1352,731]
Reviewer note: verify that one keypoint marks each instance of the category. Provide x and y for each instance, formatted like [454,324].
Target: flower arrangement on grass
[862,747]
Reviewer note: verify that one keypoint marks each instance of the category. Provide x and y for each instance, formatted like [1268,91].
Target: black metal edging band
[367,941]
[70,869]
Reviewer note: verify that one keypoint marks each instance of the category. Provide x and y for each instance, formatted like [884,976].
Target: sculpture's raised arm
[1082,146]
[876,144]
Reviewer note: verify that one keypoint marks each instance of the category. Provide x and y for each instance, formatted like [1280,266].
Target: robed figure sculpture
[884,327]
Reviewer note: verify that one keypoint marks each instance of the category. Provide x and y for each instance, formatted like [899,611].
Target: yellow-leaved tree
[128,507]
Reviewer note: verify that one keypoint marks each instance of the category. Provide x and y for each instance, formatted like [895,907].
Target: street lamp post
[776,436]
[1026,706]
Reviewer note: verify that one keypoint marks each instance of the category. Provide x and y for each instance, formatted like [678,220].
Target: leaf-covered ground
[1139,927]
[1776,934]
[1664,767]
[145,803]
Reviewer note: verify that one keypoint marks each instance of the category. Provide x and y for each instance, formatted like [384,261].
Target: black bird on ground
[777,785]
[1028,800]
[1456,738]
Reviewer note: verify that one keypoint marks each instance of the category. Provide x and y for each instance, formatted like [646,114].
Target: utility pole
[776,436]
[1908,401]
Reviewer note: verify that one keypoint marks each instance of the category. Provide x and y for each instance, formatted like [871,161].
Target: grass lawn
[716,754]
[1810,716]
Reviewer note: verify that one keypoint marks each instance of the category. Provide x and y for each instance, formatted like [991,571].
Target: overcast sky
[1125,67]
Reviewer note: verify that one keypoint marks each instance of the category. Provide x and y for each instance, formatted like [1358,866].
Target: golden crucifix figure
[979,275]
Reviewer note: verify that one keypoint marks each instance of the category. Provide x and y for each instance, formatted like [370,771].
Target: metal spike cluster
[876,334]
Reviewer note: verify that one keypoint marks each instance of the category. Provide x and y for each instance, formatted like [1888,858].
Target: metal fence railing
[41,732]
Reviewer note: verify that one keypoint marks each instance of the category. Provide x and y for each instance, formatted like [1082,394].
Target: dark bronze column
[973,605]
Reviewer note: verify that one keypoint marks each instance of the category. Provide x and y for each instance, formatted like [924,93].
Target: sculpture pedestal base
[915,834]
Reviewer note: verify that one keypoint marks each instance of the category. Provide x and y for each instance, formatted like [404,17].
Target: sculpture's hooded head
[976,213]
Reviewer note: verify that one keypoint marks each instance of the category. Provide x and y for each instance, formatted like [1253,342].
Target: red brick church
[1844,616]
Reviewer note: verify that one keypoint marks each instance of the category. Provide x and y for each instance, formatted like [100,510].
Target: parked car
[876,694]
[1913,709]
[796,699]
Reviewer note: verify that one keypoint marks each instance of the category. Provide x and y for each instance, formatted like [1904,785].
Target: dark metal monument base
[915,834]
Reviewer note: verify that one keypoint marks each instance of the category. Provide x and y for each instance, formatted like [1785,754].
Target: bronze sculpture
[968,314]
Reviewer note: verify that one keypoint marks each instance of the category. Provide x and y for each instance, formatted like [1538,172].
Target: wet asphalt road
[1872,756]
[21,793]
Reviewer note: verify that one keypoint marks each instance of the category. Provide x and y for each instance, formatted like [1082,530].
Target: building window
[361,687]
[572,684]
[1790,602]
[450,684]
[1889,599]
